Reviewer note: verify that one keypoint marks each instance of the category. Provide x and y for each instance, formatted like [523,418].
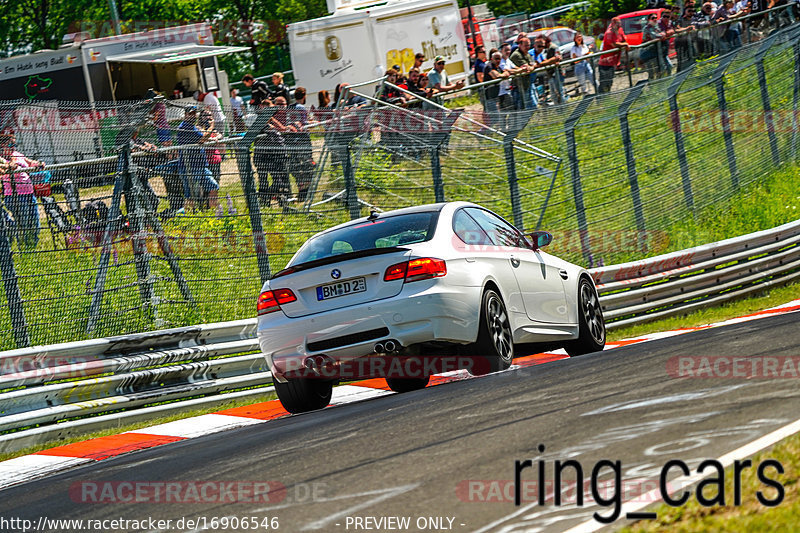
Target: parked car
[562,36]
[633,24]
[422,281]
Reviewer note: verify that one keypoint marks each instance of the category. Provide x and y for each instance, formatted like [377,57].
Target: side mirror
[540,239]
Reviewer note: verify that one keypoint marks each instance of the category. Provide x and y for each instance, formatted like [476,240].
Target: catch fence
[149,224]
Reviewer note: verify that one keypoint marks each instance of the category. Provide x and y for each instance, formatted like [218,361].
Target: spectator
[702,22]
[583,69]
[666,27]
[505,99]
[521,35]
[237,110]
[521,59]
[650,55]
[300,161]
[280,88]
[269,158]
[259,93]
[390,94]
[353,100]
[493,71]
[438,79]
[553,76]
[198,178]
[211,104]
[18,191]
[323,99]
[684,45]
[480,64]
[731,33]
[419,59]
[613,38]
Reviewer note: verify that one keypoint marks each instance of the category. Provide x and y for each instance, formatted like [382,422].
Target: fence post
[796,99]
[436,170]
[769,120]
[13,295]
[351,191]
[577,188]
[672,92]
[516,123]
[248,186]
[630,159]
[718,76]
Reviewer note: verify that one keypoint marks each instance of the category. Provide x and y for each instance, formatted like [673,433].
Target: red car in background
[633,24]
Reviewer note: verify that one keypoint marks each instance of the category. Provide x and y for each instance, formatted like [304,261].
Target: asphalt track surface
[414,455]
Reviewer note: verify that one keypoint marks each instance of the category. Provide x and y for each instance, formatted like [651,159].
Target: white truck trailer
[359,41]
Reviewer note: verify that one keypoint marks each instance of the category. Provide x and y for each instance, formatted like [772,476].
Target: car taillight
[397,271]
[271,301]
[416,269]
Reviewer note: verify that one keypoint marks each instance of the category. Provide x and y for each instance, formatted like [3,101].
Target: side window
[468,230]
[501,232]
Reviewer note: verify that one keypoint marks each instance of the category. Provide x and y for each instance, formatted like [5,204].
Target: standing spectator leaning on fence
[520,58]
[583,69]
[545,56]
[666,27]
[439,79]
[270,160]
[730,34]
[18,192]
[198,179]
[613,38]
[702,22]
[649,55]
[390,94]
[684,40]
[298,140]
[493,71]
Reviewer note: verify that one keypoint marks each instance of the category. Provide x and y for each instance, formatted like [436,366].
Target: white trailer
[360,41]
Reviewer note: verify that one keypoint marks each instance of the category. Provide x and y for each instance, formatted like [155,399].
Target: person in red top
[613,38]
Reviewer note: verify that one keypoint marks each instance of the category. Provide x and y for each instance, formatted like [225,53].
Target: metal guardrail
[53,386]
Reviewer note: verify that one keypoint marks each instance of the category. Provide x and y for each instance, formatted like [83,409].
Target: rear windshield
[634,24]
[383,232]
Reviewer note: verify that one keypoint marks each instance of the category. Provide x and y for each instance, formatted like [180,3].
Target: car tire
[407,384]
[301,395]
[494,349]
[592,328]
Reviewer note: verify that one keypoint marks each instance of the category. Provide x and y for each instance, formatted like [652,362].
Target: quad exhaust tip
[389,346]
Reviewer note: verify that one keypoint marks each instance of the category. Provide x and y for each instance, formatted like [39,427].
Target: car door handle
[563,273]
[514,261]
[470,259]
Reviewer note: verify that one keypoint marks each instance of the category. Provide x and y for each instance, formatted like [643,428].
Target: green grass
[751,515]
[216,252]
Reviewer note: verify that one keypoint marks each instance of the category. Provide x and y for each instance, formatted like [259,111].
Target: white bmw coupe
[393,294]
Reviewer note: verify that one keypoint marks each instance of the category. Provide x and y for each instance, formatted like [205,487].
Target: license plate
[334,290]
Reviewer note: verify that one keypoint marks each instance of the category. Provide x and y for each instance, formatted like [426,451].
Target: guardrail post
[351,190]
[577,188]
[630,160]
[248,185]
[13,295]
[718,76]
[769,120]
[683,162]
[796,99]
[517,121]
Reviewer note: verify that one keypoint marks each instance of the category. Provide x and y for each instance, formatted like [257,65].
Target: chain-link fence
[148,215]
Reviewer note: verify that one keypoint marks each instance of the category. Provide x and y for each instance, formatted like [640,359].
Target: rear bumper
[432,312]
